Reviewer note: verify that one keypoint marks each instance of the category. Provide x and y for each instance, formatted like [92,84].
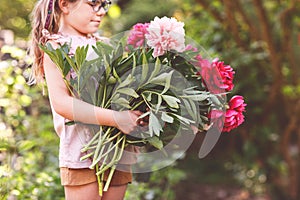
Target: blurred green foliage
[14,15]
[28,147]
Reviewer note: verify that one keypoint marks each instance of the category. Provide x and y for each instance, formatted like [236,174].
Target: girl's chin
[91,31]
[94,29]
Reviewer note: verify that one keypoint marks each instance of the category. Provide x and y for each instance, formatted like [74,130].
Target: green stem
[86,156]
[100,141]
[113,160]
[99,156]
[68,86]
[136,141]
[146,102]
[112,148]
[100,183]
[85,148]
[111,172]
[104,96]
[89,148]
[137,105]
[107,132]
[121,149]
[113,137]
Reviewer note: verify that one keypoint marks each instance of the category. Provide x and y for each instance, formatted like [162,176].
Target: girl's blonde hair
[45,15]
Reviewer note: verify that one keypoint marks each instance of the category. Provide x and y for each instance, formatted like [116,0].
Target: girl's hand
[127,121]
[194,129]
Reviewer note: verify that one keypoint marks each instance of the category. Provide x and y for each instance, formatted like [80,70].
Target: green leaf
[126,82]
[145,68]
[200,97]
[126,64]
[192,91]
[108,67]
[154,125]
[171,101]
[116,75]
[71,63]
[161,79]
[80,55]
[128,91]
[190,108]
[121,102]
[105,48]
[215,100]
[183,119]
[59,57]
[167,118]
[157,68]
[156,142]
[159,101]
[133,67]
[149,97]
[119,50]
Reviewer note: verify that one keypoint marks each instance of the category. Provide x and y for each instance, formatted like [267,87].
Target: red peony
[234,114]
[216,76]
[226,73]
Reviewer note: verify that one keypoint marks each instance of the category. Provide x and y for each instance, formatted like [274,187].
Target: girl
[75,22]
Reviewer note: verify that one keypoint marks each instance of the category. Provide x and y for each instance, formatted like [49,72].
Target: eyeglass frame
[96,8]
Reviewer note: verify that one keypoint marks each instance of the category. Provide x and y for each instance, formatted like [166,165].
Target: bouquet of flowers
[153,70]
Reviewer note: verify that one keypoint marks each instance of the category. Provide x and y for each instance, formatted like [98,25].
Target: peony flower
[210,75]
[216,76]
[136,36]
[226,73]
[165,34]
[233,117]
[234,114]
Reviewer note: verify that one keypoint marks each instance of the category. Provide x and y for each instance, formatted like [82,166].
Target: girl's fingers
[137,112]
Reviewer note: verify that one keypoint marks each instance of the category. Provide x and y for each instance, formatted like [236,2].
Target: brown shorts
[75,177]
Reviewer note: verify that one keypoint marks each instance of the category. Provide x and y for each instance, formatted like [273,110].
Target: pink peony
[216,76]
[234,114]
[136,36]
[165,34]
[226,73]
[210,75]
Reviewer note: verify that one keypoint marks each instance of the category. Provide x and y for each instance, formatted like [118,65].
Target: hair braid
[45,15]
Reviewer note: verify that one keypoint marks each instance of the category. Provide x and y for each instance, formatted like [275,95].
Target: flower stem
[100,184]
[111,172]
[85,148]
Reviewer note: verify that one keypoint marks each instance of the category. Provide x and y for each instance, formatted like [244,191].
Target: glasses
[97,5]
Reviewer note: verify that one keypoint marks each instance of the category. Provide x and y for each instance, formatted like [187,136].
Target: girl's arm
[74,109]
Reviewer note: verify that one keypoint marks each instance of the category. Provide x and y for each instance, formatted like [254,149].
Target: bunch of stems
[106,151]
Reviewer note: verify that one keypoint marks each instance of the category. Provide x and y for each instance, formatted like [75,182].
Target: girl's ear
[64,6]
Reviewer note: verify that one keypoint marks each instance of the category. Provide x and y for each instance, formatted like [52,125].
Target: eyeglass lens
[97,5]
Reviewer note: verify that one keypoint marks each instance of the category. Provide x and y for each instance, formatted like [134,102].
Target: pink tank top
[73,137]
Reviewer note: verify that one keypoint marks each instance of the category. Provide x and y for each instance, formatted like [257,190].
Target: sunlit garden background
[260,39]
